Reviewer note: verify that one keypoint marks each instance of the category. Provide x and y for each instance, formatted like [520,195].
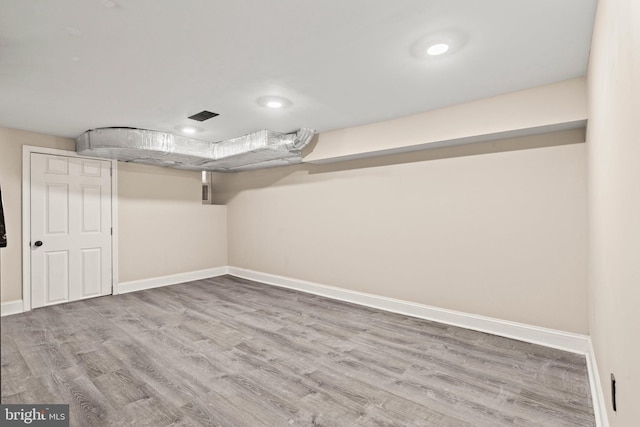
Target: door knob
[38,243]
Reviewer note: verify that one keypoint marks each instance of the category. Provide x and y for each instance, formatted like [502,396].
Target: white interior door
[70,229]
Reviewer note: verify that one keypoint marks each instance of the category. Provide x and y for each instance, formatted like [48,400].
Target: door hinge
[112,231]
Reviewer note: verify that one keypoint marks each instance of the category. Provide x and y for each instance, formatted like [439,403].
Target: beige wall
[614,203]
[164,227]
[501,234]
[150,200]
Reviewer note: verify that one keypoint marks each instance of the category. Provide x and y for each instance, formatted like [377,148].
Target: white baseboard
[155,282]
[597,393]
[567,341]
[11,307]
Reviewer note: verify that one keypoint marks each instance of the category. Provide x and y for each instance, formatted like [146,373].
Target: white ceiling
[67,66]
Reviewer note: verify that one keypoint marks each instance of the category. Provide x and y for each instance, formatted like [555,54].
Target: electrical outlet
[613,392]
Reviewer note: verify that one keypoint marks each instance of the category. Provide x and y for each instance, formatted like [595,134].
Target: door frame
[27,150]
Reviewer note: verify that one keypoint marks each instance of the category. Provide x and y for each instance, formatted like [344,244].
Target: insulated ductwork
[256,150]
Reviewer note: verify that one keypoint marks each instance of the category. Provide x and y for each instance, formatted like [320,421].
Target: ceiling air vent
[203,115]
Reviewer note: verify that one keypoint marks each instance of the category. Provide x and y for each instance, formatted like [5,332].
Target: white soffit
[550,108]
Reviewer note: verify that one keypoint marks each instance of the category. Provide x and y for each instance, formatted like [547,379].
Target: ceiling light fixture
[434,46]
[437,49]
[189,130]
[274,102]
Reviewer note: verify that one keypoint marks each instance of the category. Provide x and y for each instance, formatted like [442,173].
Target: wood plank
[232,352]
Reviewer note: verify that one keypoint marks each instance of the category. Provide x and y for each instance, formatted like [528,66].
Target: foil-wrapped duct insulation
[256,150]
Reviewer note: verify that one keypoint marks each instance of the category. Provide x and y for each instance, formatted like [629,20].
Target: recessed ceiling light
[437,49]
[274,102]
[189,130]
[435,45]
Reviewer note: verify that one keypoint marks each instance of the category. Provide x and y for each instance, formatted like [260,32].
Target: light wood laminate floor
[231,352]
